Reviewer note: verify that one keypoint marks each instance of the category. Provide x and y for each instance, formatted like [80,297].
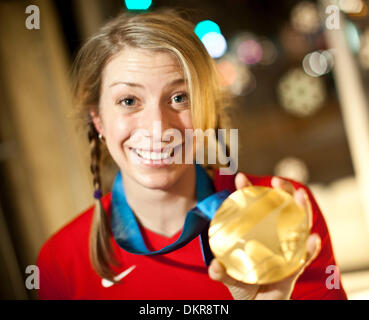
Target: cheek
[185,119]
[117,129]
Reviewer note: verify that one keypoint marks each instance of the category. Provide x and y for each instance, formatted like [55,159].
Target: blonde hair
[163,30]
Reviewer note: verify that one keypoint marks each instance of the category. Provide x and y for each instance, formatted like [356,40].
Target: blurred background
[299,71]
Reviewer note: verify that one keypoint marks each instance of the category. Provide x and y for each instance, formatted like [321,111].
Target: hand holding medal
[264,247]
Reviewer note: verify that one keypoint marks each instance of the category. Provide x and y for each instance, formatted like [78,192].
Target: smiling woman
[141,66]
[138,79]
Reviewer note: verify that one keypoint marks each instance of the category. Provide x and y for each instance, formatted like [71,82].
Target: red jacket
[66,271]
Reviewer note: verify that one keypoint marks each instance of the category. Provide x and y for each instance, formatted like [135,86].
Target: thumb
[241,181]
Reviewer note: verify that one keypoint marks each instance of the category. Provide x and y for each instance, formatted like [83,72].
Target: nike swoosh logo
[106,283]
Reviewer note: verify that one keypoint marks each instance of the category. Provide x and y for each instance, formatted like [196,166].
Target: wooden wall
[46,167]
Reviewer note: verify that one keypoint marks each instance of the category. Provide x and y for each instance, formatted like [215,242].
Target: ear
[97,121]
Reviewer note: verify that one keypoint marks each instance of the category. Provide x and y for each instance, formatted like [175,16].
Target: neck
[162,211]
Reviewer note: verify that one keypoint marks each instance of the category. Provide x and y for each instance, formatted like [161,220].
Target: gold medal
[259,234]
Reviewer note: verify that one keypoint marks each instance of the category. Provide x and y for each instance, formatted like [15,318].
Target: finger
[302,198]
[217,272]
[313,247]
[239,290]
[285,185]
[241,181]
[300,195]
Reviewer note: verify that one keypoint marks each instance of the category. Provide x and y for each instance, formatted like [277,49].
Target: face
[143,98]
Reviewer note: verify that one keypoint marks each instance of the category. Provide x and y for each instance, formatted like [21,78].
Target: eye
[127,102]
[180,98]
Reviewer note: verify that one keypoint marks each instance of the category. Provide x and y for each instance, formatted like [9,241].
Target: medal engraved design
[259,234]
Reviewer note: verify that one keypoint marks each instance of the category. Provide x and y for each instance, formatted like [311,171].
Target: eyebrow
[132,84]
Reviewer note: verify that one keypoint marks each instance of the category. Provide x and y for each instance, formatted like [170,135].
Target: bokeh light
[246,82]
[206,26]
[138,4]
[235,75]
[305,17]
[240,38]
[300,94]
[210,35]
[227,71]
[270,52]
[249,52]
[215,44]
[250,49]
[292,168]
[351,6]
[355,8]
[317,63]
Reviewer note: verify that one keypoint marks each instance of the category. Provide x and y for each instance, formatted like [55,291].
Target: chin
[159,181]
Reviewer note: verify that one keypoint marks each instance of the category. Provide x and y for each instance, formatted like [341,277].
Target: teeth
[154,155]
[146,154]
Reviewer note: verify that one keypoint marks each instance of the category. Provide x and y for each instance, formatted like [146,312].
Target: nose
[156,122]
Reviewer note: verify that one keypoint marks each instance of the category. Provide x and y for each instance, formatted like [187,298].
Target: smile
[152,155]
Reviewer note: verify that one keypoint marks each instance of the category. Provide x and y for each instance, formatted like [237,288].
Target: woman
[136,72]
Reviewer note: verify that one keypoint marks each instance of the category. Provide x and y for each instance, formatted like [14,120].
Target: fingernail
[306,196]
[275,180]
[318,241]
[246,180]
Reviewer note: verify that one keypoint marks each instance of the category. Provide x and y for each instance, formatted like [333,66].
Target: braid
[95,153]
[101,251]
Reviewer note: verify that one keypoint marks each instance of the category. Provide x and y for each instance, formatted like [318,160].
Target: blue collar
[128,235]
